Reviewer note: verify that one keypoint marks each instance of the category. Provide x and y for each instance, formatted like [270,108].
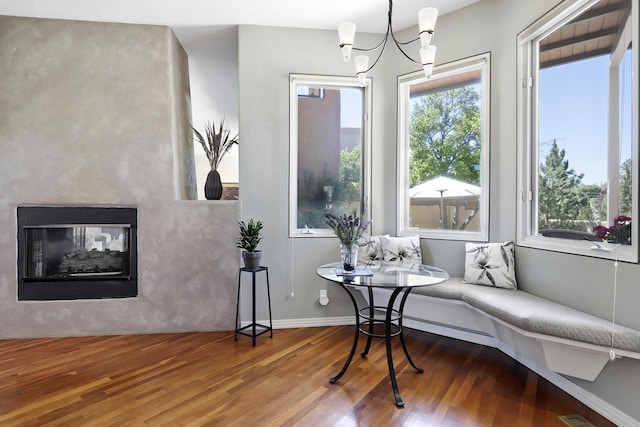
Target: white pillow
[490,264]
[369,248]
[401,249]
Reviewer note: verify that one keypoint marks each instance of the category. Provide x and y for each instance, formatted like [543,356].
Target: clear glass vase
[349,256]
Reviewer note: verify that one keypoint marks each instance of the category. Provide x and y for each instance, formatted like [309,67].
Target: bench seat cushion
[453,288]
[535,314]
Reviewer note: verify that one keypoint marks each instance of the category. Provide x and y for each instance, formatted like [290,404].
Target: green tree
[314,198]
[445,136]
[626,196]
[561,198]
[350,173]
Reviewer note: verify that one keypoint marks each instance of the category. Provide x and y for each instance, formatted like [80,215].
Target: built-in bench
[527,327]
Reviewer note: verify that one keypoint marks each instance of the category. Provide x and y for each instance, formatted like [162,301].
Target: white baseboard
[306,323]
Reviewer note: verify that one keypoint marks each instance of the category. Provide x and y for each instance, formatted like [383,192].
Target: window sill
[583,248]
[466,236]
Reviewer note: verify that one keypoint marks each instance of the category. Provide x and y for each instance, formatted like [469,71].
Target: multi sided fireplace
[76,253]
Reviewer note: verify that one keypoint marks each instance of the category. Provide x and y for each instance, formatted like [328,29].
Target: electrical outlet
[324,300]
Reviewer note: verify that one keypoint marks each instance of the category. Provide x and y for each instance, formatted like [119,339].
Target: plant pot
[251,260]
[213,186]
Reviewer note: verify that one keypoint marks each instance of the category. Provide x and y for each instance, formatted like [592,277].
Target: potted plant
[248,239]
[216,144]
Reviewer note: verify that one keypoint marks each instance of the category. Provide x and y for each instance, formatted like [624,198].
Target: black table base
[392,329]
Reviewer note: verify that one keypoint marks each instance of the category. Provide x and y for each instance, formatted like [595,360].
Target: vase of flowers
[619,232]
[216,143]
[348,229]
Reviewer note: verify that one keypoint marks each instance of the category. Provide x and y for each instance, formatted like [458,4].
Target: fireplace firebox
[67,253]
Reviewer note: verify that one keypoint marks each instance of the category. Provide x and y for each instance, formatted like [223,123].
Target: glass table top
[386,274]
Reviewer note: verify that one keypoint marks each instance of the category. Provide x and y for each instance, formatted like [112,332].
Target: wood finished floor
[208,379]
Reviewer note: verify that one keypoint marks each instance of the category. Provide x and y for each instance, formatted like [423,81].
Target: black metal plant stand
[253,326]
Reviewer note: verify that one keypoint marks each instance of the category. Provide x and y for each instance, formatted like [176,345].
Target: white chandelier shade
[427,18]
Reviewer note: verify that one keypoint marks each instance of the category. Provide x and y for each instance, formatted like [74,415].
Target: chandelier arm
[384,44]
[407,42]
[361,49]
[402,50]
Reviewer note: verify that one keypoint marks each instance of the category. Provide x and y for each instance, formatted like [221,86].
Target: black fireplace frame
[85,288]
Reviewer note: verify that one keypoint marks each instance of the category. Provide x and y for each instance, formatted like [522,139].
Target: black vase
[213,186]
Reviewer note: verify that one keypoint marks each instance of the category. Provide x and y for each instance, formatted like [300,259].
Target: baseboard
[306,323]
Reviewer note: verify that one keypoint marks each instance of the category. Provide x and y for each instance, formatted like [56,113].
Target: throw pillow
[402,249]
[370,249]
[490,264]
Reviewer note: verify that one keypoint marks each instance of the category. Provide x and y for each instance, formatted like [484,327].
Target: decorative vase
[213,186]
[349,255]
[252,260]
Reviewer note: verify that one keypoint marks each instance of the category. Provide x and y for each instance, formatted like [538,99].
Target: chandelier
[427,21]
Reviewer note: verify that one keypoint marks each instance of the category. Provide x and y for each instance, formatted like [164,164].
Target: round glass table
[400,278]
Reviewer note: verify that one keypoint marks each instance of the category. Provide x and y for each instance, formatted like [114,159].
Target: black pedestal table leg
[392,371]
[404,345]
[371,314]
[355,337]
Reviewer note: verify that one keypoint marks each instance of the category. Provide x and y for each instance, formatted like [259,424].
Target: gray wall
[95,114]
[488,26]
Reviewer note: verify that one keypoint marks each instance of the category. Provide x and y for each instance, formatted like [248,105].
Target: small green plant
[249,235]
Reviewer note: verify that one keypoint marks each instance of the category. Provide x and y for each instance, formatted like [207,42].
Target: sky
[574,112]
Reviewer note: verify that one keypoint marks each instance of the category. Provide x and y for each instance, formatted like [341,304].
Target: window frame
[365,190]
[527,130]
[481,62]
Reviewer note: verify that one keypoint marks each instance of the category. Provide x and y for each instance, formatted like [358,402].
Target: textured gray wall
[95,114]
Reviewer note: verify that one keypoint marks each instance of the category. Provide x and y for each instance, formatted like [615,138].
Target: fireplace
[67,253]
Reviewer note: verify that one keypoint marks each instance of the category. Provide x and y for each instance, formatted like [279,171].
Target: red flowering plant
[619,232]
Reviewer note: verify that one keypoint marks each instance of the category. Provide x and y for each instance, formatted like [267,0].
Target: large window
[578,130]
[329,151]
[443,151]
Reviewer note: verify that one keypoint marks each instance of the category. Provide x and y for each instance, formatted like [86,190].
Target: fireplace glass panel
[71,252]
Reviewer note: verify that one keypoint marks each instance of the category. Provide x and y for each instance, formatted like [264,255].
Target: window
[578,130]
[329,153]
[443,151]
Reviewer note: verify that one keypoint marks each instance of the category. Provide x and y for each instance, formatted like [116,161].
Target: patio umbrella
[443,187]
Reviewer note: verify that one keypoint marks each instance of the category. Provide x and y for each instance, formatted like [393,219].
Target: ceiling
[368,15]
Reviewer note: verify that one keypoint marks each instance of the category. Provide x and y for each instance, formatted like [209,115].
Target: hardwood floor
[208,379]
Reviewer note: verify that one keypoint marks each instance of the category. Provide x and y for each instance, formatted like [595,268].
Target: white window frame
[480,62]
[365,196]
[527,126]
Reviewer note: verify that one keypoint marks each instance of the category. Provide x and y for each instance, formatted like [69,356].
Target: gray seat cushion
[451,289]
[535,314]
